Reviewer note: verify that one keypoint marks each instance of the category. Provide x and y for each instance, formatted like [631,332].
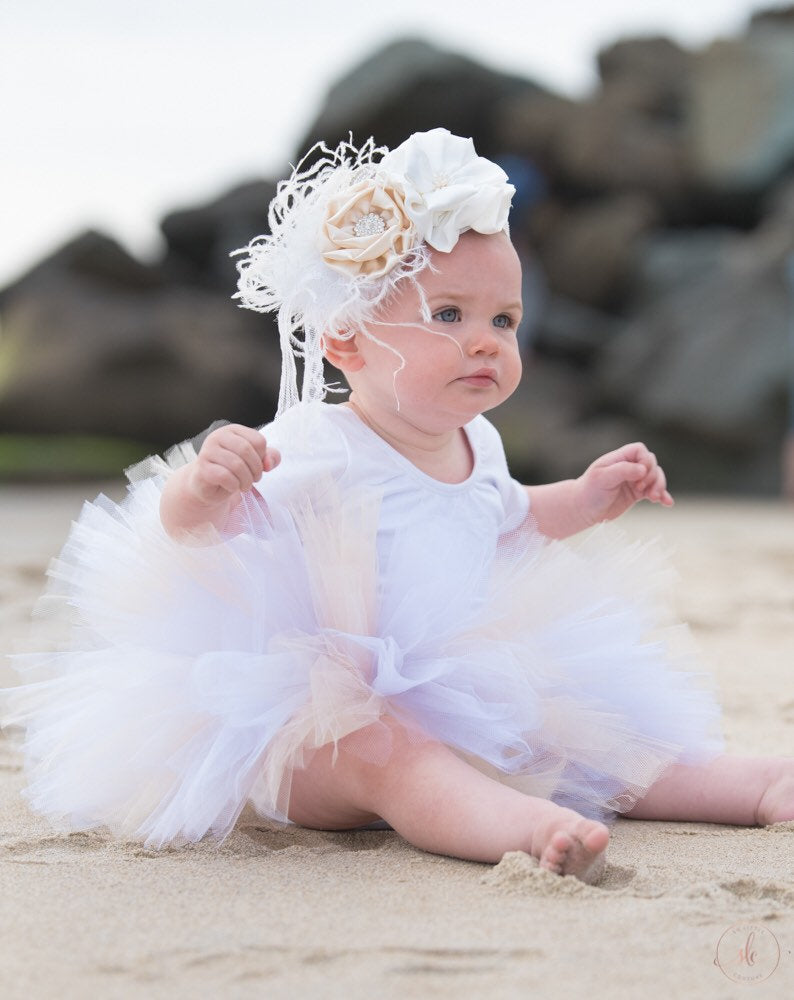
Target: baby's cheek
[514,373]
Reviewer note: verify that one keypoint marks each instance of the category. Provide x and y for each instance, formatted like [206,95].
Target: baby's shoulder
[312,446]
[485,440]
[304,427]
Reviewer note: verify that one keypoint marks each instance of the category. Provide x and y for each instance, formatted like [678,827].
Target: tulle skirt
[199,678]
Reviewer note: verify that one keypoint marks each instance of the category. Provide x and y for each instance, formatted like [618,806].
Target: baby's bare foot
[569,844]
[776,805]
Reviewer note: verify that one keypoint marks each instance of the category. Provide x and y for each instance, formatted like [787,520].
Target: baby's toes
[556,852]
[596,839]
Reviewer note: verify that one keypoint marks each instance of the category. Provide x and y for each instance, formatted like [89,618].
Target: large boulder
[705,358]
[92,345]
[411,85]
[629,135]
[587,250]
[652,72]
[669,260]
[742,114]
[710,359]
[200,238]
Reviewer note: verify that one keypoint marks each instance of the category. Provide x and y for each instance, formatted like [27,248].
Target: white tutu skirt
[199,678]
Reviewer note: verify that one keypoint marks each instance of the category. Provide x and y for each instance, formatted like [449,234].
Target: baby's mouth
[483,377]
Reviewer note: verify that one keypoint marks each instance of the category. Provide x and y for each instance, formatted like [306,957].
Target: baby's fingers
[240,449]
[653,486]
[633,453]
[256,452]
[658,493]
[237,466]
[210,481]
[611,477]
[271,459]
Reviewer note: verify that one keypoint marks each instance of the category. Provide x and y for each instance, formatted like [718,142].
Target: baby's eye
[503,321]
[451,315]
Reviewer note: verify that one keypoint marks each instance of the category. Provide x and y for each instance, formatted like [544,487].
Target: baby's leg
[442,804]
[746,791]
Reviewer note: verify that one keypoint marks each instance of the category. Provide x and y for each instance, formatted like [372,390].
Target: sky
[114,113]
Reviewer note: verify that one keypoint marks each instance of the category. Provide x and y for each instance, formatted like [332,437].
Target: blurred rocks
[410,86]
[671,259]
[706,358]
[588,252]
[95,342]
[200,239]
[654,217]
[629,136]
[742,110]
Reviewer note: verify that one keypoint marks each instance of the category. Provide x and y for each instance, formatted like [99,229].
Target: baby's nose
[484,342]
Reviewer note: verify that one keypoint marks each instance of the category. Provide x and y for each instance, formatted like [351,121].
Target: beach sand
[284,912]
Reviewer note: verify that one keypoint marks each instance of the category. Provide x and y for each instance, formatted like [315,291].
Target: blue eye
[503,321]
[450,315]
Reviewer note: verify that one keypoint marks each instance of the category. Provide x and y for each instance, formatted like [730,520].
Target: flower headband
[346,229]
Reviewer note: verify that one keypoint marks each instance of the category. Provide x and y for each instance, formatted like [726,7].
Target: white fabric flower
[447,188]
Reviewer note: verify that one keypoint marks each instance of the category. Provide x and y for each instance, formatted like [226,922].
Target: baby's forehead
[471,255]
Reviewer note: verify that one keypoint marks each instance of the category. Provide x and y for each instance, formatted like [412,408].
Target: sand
[284,912]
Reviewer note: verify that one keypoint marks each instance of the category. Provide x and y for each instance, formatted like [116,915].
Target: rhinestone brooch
[370,225]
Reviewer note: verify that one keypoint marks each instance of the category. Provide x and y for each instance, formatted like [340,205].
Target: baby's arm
[607,488]
[202,494]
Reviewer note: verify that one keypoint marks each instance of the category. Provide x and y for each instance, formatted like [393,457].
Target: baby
[409,642]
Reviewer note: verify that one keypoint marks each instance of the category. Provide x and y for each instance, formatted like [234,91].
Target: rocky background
[656,223]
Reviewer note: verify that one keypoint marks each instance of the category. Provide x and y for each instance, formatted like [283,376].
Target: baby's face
[465,360]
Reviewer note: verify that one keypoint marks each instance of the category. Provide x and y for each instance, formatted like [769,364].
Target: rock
[704,361]
[709,359]
[671,259]
[95,257]
[569,330]
[156,364]
[530,124]
[655,69]
[601,147]
[779,204]
[774,17]
[408,86]
[742,115]
[630,135]
[607,145]
[200,239]
[587,250]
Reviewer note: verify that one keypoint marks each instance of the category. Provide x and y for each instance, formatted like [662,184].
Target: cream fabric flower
[366,230]
[447,188]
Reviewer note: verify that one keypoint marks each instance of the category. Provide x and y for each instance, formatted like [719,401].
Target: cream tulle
[200,677]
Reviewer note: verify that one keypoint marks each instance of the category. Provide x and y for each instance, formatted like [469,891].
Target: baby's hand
[616,481]
[230,461]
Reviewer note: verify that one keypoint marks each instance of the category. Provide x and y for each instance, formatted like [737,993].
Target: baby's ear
[342,352]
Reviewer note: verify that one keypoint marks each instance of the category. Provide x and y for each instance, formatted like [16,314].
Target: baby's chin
[442,420]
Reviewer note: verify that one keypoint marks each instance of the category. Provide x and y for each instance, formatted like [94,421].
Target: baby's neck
[445,456]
